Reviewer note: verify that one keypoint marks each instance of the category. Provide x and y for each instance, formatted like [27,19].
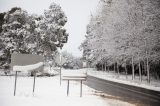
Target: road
[132,94]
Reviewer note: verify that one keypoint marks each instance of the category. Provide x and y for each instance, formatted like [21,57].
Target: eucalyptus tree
[16,29]
[35,34]
[50,28]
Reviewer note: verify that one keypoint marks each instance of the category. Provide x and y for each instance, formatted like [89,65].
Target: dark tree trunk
[118,69]
[140,74]
[133,69]
[126,71]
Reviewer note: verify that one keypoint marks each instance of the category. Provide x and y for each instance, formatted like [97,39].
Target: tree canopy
[124,32]
[21,32]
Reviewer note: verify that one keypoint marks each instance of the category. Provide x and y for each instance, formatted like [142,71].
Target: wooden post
[81,89]
[15,83]
[68,88]
[34,82]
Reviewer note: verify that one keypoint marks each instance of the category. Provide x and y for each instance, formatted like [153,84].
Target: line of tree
[124,35]
[21,32]
[71,62]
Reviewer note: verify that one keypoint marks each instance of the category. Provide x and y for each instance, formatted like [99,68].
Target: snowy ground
[153,85]
[48,92]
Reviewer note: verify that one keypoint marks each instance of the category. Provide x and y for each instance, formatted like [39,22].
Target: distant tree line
[71,62]
[124,36]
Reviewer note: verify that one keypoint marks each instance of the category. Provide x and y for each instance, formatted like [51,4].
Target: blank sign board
[74,73]
[26,63]
[25,59]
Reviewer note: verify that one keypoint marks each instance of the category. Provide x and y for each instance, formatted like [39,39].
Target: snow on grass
[122,79]
[50,70]
[27,67]
[48,92]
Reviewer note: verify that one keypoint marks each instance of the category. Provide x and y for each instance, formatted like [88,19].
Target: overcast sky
[78,13]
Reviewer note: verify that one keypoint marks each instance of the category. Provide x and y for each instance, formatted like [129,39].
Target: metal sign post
[15,83]
[60,69]
[60,75]
[34,82]
[62,61]
[26,63]
[68,88]
[81,89]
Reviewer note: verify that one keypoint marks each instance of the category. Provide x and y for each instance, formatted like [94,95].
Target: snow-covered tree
[34,34]
[125,33]
[51,31]
[71,61]
[16,29]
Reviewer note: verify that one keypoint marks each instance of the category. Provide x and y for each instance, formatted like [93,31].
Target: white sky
[78,13]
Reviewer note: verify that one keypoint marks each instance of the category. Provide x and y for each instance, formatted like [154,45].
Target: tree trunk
[148,74]
[147,63]
[115,67]
[139,65]
[140,74]
[132,69]
[145,69]
[105,66]
[108,68]
[118,69]
[126,71]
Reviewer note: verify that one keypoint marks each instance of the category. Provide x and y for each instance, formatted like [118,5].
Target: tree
[24,33]
[16,29]
[1,20]
[71,61]
[125,33]
[50,29]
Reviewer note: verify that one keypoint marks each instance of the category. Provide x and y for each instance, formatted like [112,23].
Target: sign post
[81,89]
[58,60]
[26,63]
[15,83]
[73,75]
[62,60]
[60,69]
[34,82]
